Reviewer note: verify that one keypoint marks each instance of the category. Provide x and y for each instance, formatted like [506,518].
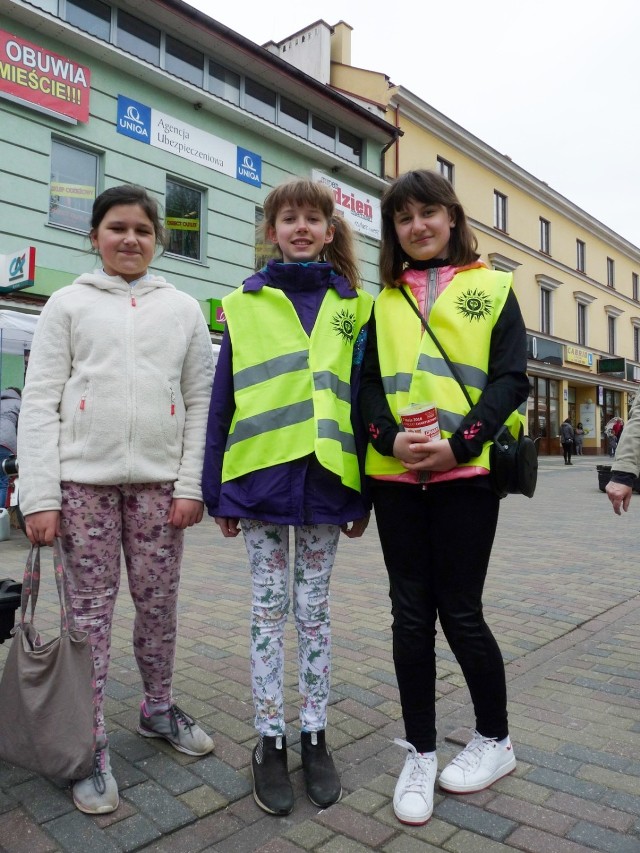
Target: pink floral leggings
[97,522]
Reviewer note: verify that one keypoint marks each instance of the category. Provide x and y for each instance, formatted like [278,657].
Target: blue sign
[249,167]
[134,119]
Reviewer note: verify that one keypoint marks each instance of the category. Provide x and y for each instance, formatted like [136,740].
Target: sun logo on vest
[343,323]
[474,305]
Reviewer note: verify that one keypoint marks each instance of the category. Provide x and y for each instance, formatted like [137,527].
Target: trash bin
[10,594]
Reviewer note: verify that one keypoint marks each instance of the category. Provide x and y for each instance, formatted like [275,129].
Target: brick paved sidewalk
[563,600]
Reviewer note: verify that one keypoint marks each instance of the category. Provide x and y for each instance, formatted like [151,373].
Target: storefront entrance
[543,411]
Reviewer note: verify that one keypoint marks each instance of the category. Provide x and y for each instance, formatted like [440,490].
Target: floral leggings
[97,522]
[315,550]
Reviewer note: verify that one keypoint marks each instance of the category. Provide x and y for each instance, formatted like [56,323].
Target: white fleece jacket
[117,390]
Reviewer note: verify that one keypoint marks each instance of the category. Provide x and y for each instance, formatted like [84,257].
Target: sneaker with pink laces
[481,763]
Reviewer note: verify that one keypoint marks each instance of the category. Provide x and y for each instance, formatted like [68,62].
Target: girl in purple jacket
[264,494]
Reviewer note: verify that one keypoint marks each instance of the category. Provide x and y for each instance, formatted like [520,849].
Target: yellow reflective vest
[412,369]
[292,391]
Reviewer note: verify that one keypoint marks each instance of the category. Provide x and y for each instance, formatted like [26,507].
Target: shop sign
[37,77]
[612,365]
[579,356]
[179,223]
[217,319]
[360,210]
[18,270]
[148,125]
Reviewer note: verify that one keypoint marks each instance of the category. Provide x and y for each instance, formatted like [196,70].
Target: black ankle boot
[272,789]
[320,775]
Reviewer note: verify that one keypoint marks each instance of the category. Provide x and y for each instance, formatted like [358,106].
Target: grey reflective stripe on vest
[288,363]
[474,377]
[399,382]
[449,421]
[326,381]
[329,429]
[271,420]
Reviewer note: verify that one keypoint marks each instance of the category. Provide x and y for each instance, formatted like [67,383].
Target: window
[445,168]
[634,286]
[348,146]
[259,100]
[293,117]
[611,272]
[323,133]
[138,38]
[499,211]
[183,220]
[92,16]
[545,311]
[581,255]
[582,325]
[183,61]
[611,334]
[545,236]
[73,187]
[224,83]
[636,343]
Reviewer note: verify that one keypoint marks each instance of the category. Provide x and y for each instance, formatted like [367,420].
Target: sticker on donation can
[421,417]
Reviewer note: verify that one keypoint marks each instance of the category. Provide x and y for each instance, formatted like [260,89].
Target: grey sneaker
[181,730]
[98,793]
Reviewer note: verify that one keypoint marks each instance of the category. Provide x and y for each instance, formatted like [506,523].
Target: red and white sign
[35,75]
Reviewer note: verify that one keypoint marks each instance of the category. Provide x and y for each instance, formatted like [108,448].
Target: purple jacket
[298,492]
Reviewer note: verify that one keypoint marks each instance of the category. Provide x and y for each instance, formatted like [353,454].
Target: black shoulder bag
[513,461]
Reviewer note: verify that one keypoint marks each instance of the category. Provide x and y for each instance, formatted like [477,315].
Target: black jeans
[567,450]
[437,544]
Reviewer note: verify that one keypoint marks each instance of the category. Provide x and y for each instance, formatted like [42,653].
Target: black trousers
[567,450]
[437,544]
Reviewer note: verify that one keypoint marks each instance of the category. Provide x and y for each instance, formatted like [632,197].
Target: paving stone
[361,828]
[568,784]
[164,810]
[166,772]
[468,842]
[228,781]
[134,832]
[534,841]
[477,820]
[77,831]
[531,815]
[19,833]
[604,840]
[42,799]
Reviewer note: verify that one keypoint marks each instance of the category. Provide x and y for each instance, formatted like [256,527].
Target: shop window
[224,83]
[73,187]
[92,16]
[184,61]
[139,38]
[183,220]
[259,100]
[323,133]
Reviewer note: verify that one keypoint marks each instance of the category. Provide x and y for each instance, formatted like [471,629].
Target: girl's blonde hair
[340,253]
[425,187]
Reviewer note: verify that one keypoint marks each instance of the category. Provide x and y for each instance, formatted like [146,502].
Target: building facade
[94,94]
[576,279]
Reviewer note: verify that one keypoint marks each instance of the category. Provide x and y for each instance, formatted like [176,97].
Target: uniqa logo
[133,122]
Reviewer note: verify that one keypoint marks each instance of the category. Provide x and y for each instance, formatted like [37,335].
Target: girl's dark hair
[425,187]
[340,253]
[128,194]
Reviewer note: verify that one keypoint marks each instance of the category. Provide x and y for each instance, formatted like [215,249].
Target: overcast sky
[551,83]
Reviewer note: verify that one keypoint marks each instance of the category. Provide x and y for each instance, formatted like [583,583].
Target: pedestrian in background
[10,401]
[434,506]
[566,440]
[625,467]
[111,444]
[283,450]
[578,437]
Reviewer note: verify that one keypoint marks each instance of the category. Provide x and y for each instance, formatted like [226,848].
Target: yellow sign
[73,190]
[579,356]
[178,224]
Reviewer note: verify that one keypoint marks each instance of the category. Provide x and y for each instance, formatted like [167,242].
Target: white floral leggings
[268,549]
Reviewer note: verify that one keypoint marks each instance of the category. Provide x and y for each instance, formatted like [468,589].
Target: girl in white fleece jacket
[111,442]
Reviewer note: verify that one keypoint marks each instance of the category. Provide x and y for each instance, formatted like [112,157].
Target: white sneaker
[481,763]
[413,796]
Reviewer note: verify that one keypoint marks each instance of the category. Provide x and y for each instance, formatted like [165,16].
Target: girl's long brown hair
[340,253]
[425,187]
